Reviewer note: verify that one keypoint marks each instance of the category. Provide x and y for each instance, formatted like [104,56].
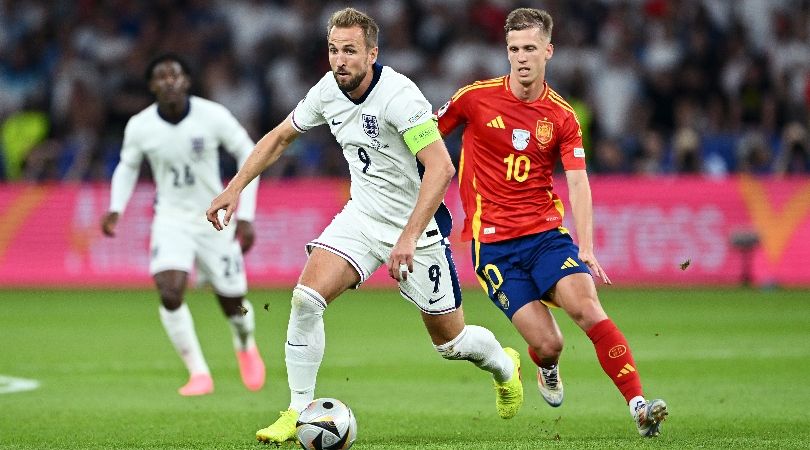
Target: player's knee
[306,300]
[171,298]
[587,312]
[549,349]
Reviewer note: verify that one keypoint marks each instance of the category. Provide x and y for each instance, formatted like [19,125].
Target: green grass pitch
[734,366]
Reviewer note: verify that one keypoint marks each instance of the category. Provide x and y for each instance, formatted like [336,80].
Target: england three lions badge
[370,126]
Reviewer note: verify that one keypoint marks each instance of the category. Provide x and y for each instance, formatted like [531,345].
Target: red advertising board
[645,229]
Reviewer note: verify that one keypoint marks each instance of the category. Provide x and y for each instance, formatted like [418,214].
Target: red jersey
[508,152]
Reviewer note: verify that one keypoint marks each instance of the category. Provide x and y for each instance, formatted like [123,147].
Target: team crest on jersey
[370,126]
[544,132]
[197,147]
[520,139]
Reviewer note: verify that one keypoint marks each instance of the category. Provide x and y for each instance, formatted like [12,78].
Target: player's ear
[372,55]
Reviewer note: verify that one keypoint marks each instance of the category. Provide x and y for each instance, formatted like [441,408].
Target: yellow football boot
[282,430]
[510,393]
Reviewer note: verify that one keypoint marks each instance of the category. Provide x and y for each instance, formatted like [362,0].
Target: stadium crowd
[661,86]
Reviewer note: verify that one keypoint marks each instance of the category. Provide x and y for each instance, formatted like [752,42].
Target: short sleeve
[308,113]
[408,109]
[452,114]
[572,153]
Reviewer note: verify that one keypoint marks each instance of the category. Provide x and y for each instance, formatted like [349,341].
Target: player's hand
[245,234]
[108,223]
[590,260]
[400,262]
[227,200]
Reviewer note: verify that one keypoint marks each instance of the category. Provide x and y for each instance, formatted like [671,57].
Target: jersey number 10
[517,168]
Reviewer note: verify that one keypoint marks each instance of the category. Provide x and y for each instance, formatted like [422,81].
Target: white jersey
[184,160]
[385,175]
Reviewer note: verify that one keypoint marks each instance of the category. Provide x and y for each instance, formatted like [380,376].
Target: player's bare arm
[266,152]
[579,195]
[439,172]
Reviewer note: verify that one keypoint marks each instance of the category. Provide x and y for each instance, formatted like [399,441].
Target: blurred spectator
[794,158]
[650,156]
[615,93]
[643,75]
[609,158]
[686,152]
[226,84]
[753,154]
[20,133]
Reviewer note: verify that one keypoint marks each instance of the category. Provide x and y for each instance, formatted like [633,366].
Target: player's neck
[174,112]
[526,93]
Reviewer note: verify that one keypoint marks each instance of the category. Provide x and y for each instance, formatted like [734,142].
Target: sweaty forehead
[346,36]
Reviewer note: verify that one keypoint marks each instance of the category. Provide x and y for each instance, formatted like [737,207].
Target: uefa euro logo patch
[520,139]
[370,126]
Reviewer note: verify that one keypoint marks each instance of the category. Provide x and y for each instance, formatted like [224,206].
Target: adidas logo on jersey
[569,263]
[497,123]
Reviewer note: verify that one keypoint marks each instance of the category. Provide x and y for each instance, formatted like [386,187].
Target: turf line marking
[10,385]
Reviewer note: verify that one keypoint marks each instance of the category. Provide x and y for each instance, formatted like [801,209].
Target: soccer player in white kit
[400,171]
[179,135]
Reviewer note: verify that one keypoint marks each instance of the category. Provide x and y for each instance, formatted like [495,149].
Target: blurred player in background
[400,170]
[516,128]
[180,135]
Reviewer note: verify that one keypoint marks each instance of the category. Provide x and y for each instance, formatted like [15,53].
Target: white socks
[242,327]
[634,403]
[306,341]
[180,328]
[479,346]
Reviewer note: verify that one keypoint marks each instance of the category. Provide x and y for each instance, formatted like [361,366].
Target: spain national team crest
[520,139]
[370,126]
[502,299]
[545,131]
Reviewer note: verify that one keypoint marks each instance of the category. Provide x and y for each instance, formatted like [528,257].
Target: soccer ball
[326,424]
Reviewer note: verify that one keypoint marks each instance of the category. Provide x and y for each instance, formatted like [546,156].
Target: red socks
[615,357]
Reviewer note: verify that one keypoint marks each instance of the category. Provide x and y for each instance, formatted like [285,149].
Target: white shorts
[178,245]
[433,286]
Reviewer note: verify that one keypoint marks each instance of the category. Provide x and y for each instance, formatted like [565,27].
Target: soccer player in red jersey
[515,129]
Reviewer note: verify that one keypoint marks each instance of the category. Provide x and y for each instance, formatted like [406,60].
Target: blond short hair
[523,18]
[350,17]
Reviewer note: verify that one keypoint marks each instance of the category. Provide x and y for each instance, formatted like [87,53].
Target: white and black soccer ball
[326,424]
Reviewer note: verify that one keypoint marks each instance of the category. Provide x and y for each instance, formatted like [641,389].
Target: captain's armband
[421,136]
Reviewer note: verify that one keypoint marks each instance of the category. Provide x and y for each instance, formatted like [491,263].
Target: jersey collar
[377,68]
[183,116]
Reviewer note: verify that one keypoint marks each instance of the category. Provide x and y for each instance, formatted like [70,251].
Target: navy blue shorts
[521,270]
